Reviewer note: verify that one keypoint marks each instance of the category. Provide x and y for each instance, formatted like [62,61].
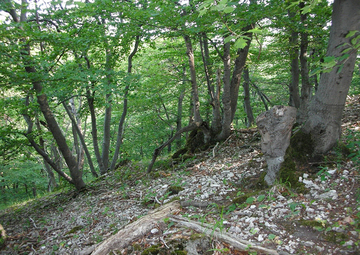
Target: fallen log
[136,229]
[208,230]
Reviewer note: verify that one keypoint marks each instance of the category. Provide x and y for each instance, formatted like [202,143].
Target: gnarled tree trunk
[325,111]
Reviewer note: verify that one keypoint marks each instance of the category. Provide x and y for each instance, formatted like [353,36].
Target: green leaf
[343,57]
[355,40]
[271,237]
[229,9]
[240,43]
[340,68]
[79,4]
[351,33]
[255,30]
[250,200]
[261,198]
[306,9]
[293,4]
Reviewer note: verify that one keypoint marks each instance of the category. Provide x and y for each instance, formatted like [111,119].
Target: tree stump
[275,128]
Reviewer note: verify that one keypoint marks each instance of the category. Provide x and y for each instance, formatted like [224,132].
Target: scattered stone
[332,194]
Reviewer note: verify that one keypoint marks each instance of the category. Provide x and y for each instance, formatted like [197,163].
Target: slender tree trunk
[294,98]
[108,102]
[240,63]
[120,132]
[106,135]
[179,117]
[247,101]
[194,88]
[216,121]
[80,147]
[325,110]
[90,99]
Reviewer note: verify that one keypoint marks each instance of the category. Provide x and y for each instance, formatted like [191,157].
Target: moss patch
[336,237]
[153,250]
[174,189]
[311,223]
[296,161]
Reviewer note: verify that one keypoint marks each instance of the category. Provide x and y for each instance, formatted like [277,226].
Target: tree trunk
[216,121]
[226,96]
[294,98]
[247,101]
[305,80]
[106,135]
[179,109]
[120,132]
[325,110]
[54,128]
[240,63]
[90,99]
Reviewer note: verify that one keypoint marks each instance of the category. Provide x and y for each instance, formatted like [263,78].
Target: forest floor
[217,191]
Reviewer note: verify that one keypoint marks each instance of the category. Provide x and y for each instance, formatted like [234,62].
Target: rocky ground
[217,190]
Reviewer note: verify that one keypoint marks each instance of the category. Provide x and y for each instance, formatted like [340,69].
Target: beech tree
[326,108]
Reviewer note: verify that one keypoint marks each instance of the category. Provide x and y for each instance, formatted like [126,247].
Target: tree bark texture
[326,107]
[90,99]
[275,128]
[226,96]
[304,71]
[247,101]
[294,98]
[240,63]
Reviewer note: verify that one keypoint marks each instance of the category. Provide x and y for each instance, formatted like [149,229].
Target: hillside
[218,190]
